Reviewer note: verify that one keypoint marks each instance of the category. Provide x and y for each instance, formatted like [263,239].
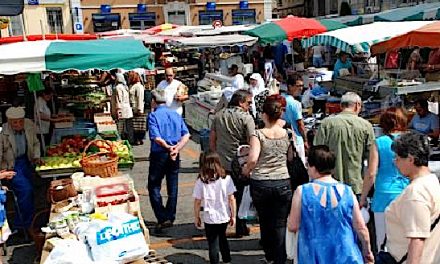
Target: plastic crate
[60,133]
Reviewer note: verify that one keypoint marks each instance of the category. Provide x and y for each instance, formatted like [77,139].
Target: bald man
[171,85]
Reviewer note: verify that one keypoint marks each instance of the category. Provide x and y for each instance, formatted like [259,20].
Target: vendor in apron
[19,150]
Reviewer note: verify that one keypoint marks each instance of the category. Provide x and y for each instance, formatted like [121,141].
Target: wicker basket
[92,165]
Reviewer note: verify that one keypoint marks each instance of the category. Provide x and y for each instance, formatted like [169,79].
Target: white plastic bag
[291,245]
[247,209]
[118,239]
[71,251]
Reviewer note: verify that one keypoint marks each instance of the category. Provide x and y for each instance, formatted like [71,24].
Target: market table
[152,257]
[198,114]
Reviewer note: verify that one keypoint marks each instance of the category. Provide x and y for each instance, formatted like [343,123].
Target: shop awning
[426,36]
[14,39]
[214,41]
[58,56]
[429,11]
[360,38]
[292,27]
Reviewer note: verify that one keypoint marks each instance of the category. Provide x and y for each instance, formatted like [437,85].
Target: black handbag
[236,175]
[295,166]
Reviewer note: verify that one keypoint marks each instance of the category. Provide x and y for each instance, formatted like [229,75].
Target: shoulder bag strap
[432,228]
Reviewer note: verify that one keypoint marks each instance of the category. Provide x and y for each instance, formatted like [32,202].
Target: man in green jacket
[350,137]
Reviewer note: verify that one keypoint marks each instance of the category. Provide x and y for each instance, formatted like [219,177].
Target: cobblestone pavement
[182,243]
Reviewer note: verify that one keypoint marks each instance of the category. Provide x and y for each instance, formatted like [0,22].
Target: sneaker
[167,224]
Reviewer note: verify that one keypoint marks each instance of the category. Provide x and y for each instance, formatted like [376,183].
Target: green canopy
[98,54]
[292,27]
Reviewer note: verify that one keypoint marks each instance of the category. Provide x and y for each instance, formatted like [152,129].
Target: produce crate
[60,133]
[106,127]
[102,117]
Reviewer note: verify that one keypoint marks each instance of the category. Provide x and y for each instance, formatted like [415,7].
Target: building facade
[41,17]
[284,8]
[314,8]
[104,15]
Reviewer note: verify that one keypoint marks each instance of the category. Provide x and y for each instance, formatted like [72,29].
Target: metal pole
[22,27]
[43,32]
[43,143]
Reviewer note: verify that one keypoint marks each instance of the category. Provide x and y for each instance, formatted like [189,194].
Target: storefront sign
[210,6]
[244,5]
[243,16]
[150,16]
[33,2]
[106,9]
[106,22]
[142,8]
[208,17]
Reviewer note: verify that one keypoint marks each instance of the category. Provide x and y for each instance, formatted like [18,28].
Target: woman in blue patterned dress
[327,216]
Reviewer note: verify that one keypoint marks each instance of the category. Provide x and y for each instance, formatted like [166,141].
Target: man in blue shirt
[424,121]
[293,114]
[342,63]
[168,134]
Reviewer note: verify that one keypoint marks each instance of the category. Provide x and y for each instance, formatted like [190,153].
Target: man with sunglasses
[171,87]
[233,126]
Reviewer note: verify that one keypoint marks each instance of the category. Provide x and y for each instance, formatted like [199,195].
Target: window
[55,20]
[177,17]
[106,22]
[15,28]
[208,17]
[142,21]
[243,17]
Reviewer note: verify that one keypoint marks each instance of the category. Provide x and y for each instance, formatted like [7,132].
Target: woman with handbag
[412,228]
[382,172]
[326,215]
[270,183]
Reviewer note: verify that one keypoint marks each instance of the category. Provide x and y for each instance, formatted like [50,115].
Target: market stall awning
[214,41]
[360,38]
[58,56]
[14,39]
[292,27]
[160,28]
[429,11]
[426,36]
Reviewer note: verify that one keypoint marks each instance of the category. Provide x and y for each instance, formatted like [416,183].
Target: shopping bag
[291,244]
[118,239]
[247,209]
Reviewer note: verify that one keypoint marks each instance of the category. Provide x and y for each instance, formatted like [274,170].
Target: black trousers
[216,236]
[272,199]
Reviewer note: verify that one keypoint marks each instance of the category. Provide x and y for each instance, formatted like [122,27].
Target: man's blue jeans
[161,165]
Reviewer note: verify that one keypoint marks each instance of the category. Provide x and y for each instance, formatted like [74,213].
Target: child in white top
[216,189]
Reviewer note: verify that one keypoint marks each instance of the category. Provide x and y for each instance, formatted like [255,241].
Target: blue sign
[141,8]
[106,9]
[78,27]
[244,5]
[210,6]
[207,17]
[150,16]
[33,2]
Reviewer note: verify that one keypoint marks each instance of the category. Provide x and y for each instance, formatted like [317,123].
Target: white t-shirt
[170,93]
[410,216]
[318,51]
[214,198]
[41,107]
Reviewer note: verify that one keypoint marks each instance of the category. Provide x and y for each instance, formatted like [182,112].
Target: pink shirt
[214,196]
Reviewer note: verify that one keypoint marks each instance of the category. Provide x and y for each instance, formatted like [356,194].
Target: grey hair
[349,99]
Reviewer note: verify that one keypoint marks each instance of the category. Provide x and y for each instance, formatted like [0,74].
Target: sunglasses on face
[169,75]
[249,102]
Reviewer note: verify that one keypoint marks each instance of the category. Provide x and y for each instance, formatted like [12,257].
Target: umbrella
[160,28]
[360,38]
[292,27]
[426,36]
[214,41]
[58,56]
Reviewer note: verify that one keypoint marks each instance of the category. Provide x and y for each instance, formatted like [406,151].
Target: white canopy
[360,38]
[27,56]
[215,41]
